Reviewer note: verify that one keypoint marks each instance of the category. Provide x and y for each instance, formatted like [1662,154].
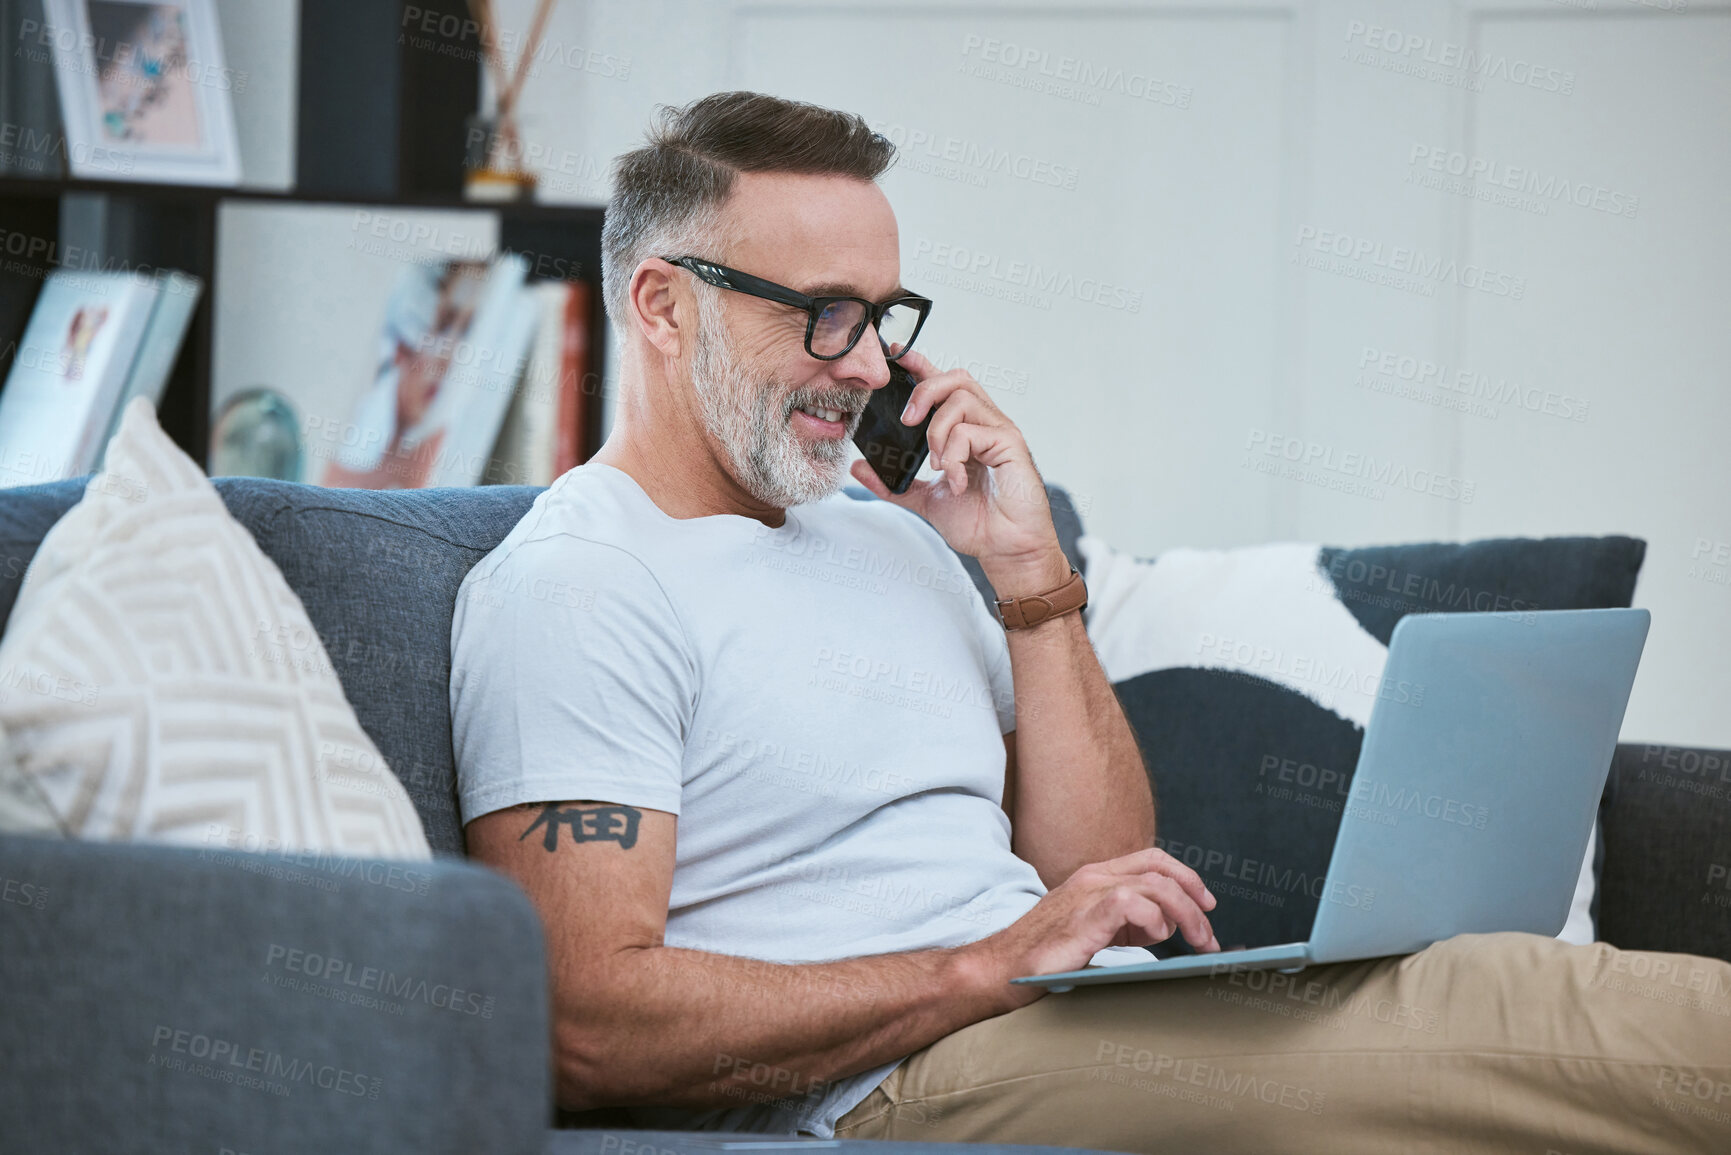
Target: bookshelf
[405,151]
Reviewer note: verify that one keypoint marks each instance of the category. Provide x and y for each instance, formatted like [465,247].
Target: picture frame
[453,346]
[144,90]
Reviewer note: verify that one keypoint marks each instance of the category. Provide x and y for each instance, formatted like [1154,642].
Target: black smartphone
[893,450]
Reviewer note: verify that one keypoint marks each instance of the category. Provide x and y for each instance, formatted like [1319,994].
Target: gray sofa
[159,999]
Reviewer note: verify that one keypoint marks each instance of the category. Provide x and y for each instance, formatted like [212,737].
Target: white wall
[1252,209]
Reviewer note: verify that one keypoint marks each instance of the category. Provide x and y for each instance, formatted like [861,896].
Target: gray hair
[668,194]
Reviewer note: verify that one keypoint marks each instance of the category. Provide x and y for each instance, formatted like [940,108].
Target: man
[792,826]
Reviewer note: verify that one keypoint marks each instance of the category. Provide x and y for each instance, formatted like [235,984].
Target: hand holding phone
[893,450]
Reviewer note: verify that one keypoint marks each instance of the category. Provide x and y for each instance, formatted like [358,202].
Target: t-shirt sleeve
[571,678]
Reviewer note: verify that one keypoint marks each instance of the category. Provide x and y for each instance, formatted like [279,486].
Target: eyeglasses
[834,324]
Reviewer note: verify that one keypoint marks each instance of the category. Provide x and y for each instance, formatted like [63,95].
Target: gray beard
[753,423]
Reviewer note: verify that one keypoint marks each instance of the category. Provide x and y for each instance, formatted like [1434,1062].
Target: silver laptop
[1474,798]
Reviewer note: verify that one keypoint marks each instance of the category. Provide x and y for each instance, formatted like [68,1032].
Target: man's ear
[661,306]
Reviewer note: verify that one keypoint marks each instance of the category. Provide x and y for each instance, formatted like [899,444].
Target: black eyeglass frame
[723,277]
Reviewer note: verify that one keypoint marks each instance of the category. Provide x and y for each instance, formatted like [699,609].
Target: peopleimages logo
[227,1061]
[883,896]
[1410,52]
[778,551]
[339,973]
[258,854]
[1355,466]
[31,894]
[1269,663]
[47,684]
[780,1080]
[1468,384]
[1218,864]
[91,55]
[991,374]
[1708,561]
[1069,77]
[1023,281]
[1354,579]
[1382,804]
[1515,178]
[761,756]
[1230,1087]
[1397,266]
[27,149]
[915,687]
[914,145]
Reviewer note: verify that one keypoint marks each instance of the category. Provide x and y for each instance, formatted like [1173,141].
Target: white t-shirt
[821,704]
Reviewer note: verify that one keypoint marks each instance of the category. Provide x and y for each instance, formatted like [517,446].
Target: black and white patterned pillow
[1249,674]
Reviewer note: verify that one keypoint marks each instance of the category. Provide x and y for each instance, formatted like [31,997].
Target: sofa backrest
[378,573]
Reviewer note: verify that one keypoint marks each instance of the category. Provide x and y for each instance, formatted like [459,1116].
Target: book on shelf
[572,430]
[545,429]
[525,450]
[93,340]
[176,298]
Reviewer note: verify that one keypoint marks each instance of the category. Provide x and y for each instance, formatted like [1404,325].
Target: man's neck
[668,456]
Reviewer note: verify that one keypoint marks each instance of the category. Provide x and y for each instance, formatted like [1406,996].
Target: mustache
[847,400]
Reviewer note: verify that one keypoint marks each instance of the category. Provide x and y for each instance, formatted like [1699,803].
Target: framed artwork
[452,346]
[144,90]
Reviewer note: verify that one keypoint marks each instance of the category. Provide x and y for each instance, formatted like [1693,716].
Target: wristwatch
[1021,613]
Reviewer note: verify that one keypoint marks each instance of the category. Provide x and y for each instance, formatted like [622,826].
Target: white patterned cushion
[23,809]
[161,682]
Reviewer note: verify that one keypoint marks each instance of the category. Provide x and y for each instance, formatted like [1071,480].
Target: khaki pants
[1501,1042]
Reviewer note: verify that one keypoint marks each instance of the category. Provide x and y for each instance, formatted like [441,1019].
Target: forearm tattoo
[590,824]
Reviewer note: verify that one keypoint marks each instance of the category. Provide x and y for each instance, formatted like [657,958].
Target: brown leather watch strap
[1023,612]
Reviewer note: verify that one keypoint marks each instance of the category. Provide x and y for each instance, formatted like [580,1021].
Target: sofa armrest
[162,998]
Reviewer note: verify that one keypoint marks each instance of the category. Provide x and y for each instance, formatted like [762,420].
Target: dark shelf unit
[405,151]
